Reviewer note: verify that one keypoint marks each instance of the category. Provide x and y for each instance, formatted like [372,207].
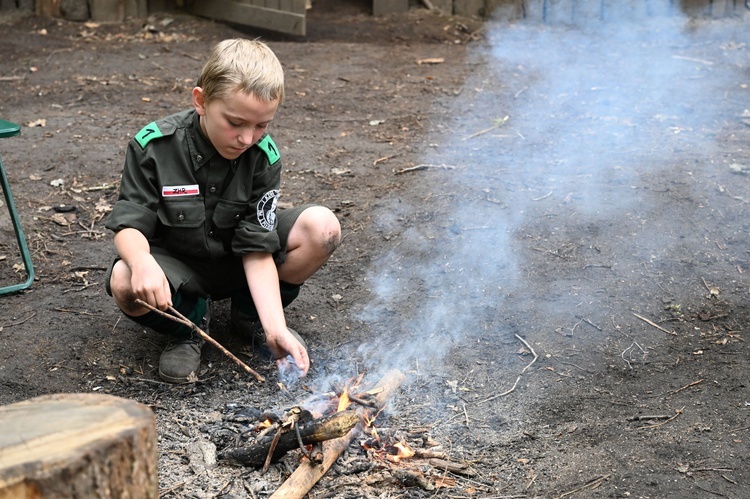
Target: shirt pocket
[183,221]
[226,218]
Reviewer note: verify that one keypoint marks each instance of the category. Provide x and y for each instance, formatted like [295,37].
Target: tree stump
[78,445]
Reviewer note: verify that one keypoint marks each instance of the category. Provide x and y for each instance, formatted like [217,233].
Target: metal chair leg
[8,129]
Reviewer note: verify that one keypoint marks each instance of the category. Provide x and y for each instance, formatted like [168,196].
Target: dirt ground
[544,229]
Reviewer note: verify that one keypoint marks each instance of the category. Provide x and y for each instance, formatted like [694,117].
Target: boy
[196,216]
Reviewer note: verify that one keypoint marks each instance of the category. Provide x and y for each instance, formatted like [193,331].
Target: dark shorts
[218,279]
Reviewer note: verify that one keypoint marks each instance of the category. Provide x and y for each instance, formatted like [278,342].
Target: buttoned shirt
[185,197]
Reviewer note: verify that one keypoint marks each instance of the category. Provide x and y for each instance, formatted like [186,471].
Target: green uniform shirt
[186,198]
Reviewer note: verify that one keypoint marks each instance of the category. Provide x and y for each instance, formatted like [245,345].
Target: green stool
[8,129]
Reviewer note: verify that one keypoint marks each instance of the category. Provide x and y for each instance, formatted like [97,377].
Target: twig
[385,158]
[271,450]
[692,59]
[519,376]
[498,123]
[593,483]
[66,310]
[542,197]
[687,386]
[648,418]
[423,167]
[631,348]
[18,323]
[589,322]
[651,323]
[185,321]
[656,425]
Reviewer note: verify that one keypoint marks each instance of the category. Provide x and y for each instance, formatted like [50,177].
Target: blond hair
[249,66]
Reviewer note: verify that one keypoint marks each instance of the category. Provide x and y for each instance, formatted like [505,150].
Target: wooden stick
[185,321]
[423,167]
[506,392]
[651,323]
[591,483]
[307,474]
[687,386]
[321,429]
[656,425]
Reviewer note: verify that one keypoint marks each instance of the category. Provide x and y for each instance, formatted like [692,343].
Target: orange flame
[404,452]
[263,425]
[343,400]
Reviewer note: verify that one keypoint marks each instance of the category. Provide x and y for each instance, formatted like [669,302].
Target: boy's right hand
[150,284]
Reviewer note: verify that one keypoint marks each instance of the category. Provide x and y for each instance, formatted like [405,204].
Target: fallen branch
[519,376]
[178,317]
[649,417]
[687,386]
[497,124]
[321,429]
[651,323]
[423,167]
[591,484]
[452,466]
[656,425]
[308,474]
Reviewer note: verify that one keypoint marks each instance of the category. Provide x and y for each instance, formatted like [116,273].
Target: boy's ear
[198,102]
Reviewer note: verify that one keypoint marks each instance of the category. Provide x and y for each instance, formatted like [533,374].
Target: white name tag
[169,191]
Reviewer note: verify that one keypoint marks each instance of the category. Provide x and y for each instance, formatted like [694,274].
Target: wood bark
[78,445]
[318,430]
[307,474]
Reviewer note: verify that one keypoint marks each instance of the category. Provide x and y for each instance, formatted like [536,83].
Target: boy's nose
[248,137]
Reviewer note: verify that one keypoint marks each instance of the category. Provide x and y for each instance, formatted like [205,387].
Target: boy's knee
[119,280]
[331,233]
[323,228]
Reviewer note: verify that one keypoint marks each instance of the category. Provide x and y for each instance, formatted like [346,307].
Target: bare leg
[314,237]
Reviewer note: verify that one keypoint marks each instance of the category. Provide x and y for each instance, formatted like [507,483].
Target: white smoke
[590,110]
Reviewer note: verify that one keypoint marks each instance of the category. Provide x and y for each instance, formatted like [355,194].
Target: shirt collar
[204,150]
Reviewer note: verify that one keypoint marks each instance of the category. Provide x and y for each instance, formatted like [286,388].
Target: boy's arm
[147,280]
[263,281]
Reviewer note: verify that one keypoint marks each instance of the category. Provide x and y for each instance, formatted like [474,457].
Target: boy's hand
[149,283]
[285,344]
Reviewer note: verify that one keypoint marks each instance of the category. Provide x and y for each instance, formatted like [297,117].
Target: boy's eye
[233,123]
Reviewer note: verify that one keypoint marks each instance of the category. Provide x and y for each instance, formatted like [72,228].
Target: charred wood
[318,430]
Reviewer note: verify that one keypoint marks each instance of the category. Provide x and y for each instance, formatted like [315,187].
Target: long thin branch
[657,326]
[506,392]
[178,317]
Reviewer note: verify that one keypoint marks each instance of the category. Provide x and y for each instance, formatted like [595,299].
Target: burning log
[307,474]
[317,430]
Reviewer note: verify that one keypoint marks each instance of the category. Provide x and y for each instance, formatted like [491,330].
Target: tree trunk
[78,445]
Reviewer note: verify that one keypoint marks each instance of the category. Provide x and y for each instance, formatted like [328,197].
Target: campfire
[318,431]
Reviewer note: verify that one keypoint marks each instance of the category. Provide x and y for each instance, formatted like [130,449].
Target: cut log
[78,445]
[307,474]
[318,430]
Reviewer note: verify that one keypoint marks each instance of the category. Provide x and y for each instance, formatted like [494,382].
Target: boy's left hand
[285,344]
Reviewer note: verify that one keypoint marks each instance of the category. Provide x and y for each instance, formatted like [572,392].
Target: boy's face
[234,123]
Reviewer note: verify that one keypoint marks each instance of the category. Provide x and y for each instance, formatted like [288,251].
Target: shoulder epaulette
[269,147]
[148,133]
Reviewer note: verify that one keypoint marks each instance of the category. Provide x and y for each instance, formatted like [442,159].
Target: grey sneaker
[181,358]
[249,327]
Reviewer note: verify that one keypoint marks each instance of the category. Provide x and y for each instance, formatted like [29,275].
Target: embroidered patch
[147,134]
[169,191]
[267,209]
[269,147]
